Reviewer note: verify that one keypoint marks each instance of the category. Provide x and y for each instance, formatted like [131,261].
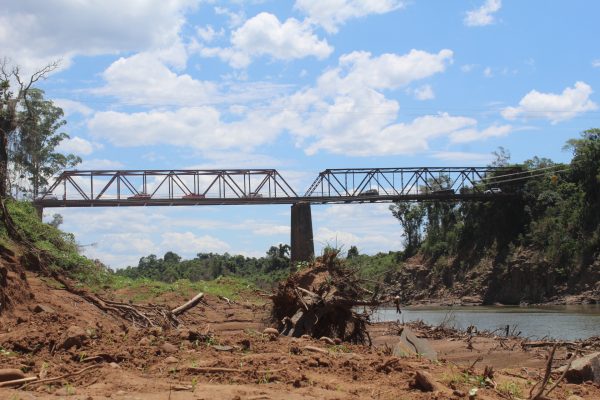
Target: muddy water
[560,322]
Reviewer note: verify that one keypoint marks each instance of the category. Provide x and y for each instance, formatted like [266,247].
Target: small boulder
[11,374]
[75,336]
[271,331]
[39,308]
[144,341]
[583,369]
[171,360]
[168,348]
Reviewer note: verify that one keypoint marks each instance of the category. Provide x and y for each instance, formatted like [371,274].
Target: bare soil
[220,352]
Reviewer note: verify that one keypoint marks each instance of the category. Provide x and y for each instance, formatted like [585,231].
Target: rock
[144,341]
[114,365]
[222,348]
[39,308]
[425,382]
[74,337]
[10,374]
[169,348]
[271,331]
[171,360]
[583,369]
[409,344]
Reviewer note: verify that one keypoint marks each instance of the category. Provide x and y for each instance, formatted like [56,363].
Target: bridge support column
[302,234]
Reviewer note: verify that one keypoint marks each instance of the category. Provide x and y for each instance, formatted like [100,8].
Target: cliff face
[522,277]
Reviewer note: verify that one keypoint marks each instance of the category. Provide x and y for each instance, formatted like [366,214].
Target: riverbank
[221,352]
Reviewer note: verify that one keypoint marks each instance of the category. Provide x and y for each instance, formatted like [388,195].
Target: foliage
[206,266]
[33,151]
[556,212]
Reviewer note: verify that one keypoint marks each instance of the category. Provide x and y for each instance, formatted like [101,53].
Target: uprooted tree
[320,300]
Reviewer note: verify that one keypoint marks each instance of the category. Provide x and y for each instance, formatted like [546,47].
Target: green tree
[352,252]
[411,217]
[14,98]
[34,152]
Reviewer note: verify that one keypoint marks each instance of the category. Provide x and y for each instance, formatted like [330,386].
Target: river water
[559,322]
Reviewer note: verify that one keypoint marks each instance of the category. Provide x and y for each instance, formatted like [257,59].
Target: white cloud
[462,156]
[331,14]
[596,63]
[468,67]
[188,244]
[76,145]
[553,107]
[208,33]
[487,72]
[424,92]
[470,135]
[71,107]
[33,33]
[265,35]
[483,15]
[370,227]
[143,79]
[196,127]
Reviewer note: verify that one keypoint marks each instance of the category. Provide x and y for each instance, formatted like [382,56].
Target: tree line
[556,213]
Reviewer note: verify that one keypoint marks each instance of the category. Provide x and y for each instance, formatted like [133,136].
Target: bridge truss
[263,186]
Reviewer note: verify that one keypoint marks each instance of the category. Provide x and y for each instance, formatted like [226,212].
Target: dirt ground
[220,352]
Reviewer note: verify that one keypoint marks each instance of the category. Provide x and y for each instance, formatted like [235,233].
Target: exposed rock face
[523,276]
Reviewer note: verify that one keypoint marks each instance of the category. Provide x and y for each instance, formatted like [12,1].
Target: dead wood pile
[319,300]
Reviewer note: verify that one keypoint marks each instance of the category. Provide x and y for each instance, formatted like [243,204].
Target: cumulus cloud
[470,135]
[71,107]
[196,127]
[331,14]
[76,145]
[188,244]
[265,35]
[33,33]
[483,15]
[572,102]
[424,92]
[143,79]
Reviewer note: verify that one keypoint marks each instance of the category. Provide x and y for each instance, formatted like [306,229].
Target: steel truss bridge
[119,188]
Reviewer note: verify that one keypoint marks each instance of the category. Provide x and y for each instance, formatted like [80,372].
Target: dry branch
[191,303]
[18,382]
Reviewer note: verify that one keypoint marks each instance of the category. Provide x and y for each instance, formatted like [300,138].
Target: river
[559,322]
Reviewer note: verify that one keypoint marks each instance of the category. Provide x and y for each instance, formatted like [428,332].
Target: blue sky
[300,86]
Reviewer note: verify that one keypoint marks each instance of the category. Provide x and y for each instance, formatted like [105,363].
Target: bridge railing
[399,181]
[98,185]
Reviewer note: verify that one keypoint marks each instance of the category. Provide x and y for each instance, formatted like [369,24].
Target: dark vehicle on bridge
[370,192]
[140,196]
[193,196]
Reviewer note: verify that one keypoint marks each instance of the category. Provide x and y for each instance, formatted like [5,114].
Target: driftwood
[546,344]
[320,300]
[184,307]
[65,376]
[18,382]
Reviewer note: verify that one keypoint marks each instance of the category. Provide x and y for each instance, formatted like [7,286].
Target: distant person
[397,303]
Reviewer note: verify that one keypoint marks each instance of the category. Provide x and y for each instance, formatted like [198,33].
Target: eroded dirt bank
[221,352]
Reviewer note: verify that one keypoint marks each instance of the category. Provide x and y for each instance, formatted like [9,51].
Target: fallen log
[18,382]
[547,344]
[191,303]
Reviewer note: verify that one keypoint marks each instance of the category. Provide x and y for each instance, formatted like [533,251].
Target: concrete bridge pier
[302,245]
[40,212]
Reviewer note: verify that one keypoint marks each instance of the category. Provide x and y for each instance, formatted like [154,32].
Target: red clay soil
[220,352]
